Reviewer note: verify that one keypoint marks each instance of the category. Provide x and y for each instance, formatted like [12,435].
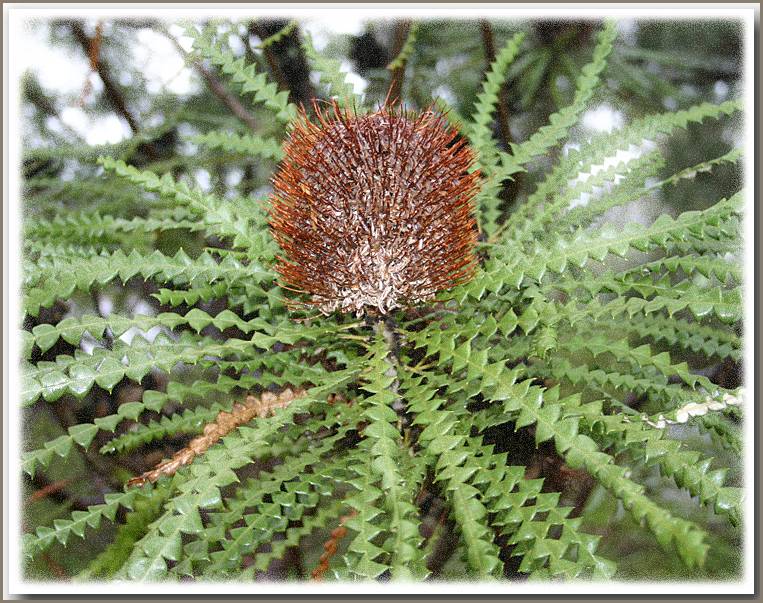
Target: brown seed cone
[374,212]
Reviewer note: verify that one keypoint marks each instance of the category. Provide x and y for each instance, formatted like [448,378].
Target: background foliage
[533,394]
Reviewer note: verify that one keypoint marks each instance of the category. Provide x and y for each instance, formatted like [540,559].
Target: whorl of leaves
[374,211]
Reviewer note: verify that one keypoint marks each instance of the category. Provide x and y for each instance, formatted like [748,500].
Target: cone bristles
[373,212]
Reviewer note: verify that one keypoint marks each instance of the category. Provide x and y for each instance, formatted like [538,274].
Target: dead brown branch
[225,422]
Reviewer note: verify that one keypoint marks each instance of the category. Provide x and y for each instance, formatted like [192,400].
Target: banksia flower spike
[374,212]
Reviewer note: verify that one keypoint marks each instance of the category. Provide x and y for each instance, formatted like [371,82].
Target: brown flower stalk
[373,212]
[225,422]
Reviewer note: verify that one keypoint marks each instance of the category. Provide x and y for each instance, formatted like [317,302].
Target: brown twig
[92,48]
[331,546]
[113,93]
[35,94]
[215,86]
[47,490]
[58,495]
[93,54]
[225,422]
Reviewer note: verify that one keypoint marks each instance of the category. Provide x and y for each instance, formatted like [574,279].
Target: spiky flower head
[374,212]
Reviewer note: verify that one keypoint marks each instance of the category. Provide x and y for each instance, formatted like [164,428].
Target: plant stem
[113,93]
[401,34]
[387,328]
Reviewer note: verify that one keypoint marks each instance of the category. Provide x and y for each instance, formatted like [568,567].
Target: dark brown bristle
[374,211]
